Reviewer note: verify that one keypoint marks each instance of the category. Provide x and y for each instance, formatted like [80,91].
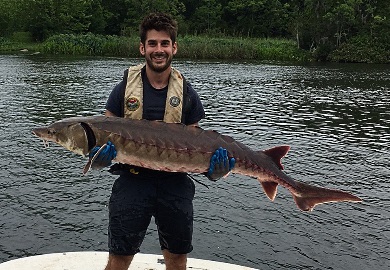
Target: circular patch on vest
[174,101]
[133,104]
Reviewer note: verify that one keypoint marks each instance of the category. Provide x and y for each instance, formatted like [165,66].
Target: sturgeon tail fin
[307,196]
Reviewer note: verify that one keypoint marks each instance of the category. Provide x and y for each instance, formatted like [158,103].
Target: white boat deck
[91,260]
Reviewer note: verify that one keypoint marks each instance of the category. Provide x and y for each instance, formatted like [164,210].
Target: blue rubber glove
[104,158]
[220,164]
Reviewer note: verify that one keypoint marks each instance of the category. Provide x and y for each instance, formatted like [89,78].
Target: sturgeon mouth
[39,135]
[46,143]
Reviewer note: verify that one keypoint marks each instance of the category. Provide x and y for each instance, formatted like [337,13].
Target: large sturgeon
[179,148]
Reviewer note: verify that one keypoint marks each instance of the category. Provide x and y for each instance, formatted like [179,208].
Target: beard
[159,67]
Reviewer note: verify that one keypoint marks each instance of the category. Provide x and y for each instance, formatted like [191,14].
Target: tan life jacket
[133,107]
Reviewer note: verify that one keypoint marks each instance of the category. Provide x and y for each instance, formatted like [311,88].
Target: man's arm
[220,163]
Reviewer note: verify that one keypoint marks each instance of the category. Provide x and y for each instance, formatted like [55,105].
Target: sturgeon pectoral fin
[308,196]
[270,189]
[90,162]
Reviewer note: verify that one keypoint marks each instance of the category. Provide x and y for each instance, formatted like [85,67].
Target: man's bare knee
[118,262]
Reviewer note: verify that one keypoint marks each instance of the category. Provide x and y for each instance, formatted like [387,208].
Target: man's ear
[174,48]
[141,48]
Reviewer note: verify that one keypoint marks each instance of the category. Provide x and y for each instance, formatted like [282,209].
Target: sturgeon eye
[51,132]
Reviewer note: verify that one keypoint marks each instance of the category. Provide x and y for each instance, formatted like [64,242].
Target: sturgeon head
[71,133]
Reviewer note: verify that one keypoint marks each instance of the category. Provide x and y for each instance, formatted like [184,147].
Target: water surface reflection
[335,117]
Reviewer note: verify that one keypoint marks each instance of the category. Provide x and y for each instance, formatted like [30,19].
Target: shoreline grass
[10,46]
[190,47]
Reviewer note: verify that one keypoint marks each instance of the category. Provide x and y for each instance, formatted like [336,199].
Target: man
[154,91]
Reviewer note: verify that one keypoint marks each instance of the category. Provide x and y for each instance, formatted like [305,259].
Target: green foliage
[207,17]
[261,18]
[25,37]
[12,17]
[124,16]
[319,26]
[197,47]
[97,16]
[43,18]
[194,47]
[9,45]
[362,49]
[5,44]
[90,44]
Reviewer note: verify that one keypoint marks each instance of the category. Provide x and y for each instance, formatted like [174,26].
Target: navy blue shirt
[154,102]
[153,109]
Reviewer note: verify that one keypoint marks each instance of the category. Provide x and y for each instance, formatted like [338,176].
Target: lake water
[335,117]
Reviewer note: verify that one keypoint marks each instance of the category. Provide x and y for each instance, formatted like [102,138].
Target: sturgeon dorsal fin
[277,153]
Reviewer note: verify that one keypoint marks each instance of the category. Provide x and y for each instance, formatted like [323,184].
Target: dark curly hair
[159,22]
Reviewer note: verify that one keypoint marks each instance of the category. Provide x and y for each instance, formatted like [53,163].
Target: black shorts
[133,202]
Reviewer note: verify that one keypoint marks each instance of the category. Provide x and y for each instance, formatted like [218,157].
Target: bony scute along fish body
[179,148]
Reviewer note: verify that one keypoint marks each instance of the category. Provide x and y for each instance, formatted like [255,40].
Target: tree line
[317,25]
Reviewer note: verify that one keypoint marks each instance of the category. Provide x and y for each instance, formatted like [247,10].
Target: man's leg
[119,262]
[130,211]
[174,261]
[174,220]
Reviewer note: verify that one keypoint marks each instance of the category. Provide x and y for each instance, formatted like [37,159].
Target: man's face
[158,50]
